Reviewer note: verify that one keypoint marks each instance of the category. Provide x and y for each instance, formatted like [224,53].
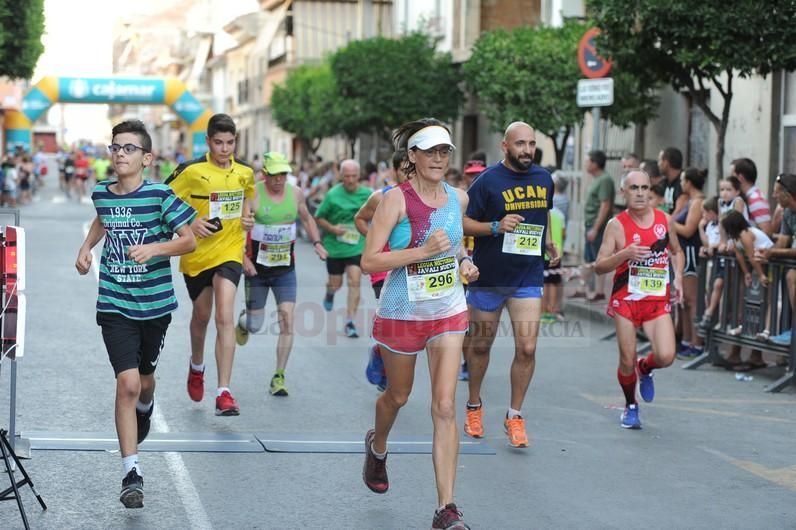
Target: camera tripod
[12,493]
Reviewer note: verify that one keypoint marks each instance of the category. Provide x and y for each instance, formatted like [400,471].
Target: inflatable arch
[152,91]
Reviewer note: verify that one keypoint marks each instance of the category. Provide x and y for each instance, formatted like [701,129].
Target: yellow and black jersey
[214,192]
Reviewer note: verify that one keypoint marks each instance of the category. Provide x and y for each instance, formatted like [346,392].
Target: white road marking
[182,478]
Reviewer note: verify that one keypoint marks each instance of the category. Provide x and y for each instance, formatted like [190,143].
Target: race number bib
[647,281]
[431,279]
[226,204]
[526,240]
[350,237]
[275,242]
[274,255]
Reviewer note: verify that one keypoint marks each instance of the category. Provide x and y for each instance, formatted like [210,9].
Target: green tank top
[272,213]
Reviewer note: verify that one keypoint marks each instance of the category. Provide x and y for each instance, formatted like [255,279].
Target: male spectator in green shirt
[597,211]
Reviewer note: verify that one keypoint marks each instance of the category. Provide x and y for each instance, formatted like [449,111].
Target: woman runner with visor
[422,305]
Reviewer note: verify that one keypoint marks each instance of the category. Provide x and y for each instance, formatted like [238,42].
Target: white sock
[197,367]
[130,462]
[474,406]
[144,407]
[513,413]
[220,390]
[242,320]
[380,456]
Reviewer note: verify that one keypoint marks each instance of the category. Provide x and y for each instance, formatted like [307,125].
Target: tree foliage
[697,44]
[386,82]
[21,28]
[531,74]
[306,104]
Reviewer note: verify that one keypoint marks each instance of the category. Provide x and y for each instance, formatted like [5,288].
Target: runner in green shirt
[341,239]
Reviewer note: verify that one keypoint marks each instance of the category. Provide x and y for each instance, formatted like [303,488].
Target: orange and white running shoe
[473,424]
[515,429]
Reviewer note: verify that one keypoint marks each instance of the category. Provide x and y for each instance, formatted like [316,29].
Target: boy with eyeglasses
[221,189]
[136,297]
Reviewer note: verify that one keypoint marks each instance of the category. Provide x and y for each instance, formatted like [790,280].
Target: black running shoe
[449,518]
[132,495]
[144,420]
[374,472]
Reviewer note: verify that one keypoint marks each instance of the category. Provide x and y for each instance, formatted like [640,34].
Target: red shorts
[638,311]
[411,336]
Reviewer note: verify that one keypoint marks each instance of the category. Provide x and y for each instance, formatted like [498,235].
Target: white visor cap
[430,136]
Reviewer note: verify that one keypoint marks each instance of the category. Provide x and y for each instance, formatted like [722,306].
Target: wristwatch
[316,243]
[495,225]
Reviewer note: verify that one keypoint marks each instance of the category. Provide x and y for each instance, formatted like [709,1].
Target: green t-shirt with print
[339,208]
[601,189]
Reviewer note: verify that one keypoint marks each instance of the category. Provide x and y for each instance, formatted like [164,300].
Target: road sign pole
[595,118]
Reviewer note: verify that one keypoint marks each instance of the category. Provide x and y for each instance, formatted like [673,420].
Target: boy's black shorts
[231,270]
[133,343]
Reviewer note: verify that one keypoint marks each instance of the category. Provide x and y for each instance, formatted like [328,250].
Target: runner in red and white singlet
[637,246]
[641,287]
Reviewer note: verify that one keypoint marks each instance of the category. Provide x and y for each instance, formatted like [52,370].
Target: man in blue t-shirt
[508,213]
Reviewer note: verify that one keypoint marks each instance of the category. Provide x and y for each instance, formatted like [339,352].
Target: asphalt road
[714,452]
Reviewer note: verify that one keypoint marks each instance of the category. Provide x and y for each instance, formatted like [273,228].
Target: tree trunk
[722,129]
[352,142]
[561,147]
[315,145]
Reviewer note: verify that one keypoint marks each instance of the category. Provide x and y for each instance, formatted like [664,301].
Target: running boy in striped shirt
[136,296]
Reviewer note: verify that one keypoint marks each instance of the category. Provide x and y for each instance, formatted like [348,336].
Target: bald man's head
[515,127]
[519,146]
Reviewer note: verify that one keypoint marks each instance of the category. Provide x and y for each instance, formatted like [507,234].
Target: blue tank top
[438,275]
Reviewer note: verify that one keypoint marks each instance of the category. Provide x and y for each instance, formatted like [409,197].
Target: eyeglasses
[636,187]
[128,148]
[443,152]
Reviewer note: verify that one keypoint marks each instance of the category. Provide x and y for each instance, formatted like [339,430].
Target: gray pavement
[714,452]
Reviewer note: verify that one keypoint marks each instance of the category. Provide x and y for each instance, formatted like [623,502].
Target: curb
[591,312]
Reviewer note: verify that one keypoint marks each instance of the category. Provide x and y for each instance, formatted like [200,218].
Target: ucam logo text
[524,192]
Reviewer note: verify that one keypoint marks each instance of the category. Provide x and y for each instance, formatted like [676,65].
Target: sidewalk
[593,312]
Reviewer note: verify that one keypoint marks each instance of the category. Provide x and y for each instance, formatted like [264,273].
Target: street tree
[386,82]
[531,74]
[694,45]
[21,28]
[306,105]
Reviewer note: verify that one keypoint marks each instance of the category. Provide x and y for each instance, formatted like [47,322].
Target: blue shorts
[490,300]
[283,285]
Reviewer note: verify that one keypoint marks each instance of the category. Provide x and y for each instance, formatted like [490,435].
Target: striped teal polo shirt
[150,214]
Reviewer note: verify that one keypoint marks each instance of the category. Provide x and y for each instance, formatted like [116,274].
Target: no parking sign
[592,65]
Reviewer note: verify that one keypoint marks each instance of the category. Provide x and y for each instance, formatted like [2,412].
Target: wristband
[316,243]
[465,258]
[494,228]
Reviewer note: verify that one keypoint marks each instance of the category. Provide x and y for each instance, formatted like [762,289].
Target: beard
[517,163]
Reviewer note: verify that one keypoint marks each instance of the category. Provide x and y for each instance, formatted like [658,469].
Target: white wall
[412,15]
[670,129]
[749,130]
